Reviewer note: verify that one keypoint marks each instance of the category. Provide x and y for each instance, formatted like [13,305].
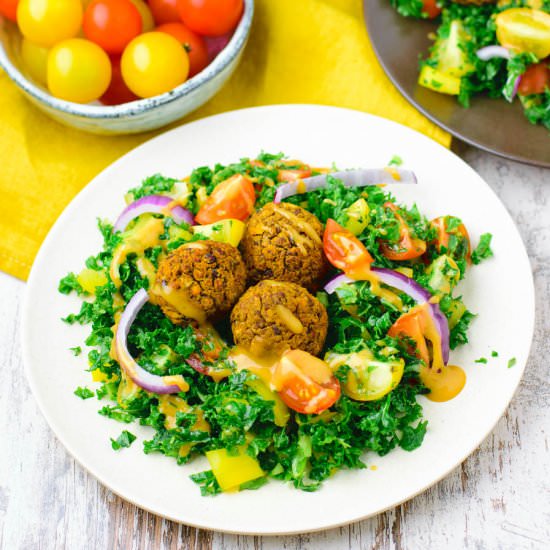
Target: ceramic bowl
[136,116]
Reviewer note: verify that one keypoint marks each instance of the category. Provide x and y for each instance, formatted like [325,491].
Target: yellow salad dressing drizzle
[443,381]
[393,172]
[382,293]
[145,235]
[146,269]
[180,301]
[260,365]
[302,225]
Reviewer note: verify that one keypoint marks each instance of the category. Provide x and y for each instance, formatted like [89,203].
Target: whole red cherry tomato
[211,17]
[117,92]
[164,11]
[8,8]
[194,44]
[112,24]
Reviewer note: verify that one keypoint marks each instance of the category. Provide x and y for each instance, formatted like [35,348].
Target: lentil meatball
[284,242]
[198,281]
[274,316]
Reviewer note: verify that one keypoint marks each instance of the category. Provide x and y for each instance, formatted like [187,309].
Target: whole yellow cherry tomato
[78,70]
[524,30]
[46,22]
[154,63]
[35,60]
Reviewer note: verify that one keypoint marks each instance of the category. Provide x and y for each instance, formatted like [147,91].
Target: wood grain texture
[498,498]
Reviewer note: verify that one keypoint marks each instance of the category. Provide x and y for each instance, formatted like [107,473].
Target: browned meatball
[274,316]
[198,281]
[284,242]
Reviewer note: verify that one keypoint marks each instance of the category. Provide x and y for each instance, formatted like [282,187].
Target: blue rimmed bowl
[137,116]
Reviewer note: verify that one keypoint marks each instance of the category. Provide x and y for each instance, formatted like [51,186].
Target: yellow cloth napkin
[300,51]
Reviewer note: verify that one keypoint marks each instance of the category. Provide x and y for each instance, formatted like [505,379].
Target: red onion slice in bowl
[350,178]
[146,380]
[153,204]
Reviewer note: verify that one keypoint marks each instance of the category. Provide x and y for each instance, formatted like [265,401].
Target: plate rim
[433,118]
[27,311]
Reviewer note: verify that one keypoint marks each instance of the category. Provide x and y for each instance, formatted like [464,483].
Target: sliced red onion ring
[490,52]
[516,87]
[410,287]
[149,382]
[152,204]
[350,178]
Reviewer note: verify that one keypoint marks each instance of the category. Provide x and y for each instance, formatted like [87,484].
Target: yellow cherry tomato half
[35,60]
[78,70]
[524,30]
[46,22]
[154,63]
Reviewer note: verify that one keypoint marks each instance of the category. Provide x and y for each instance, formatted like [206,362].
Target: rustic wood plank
[499,498]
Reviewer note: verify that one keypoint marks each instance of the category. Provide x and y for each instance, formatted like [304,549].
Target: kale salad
[280,319]
[501,49]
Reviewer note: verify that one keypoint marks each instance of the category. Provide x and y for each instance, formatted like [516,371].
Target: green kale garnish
[483,249]
[125,439]
[153,185]
[83,393]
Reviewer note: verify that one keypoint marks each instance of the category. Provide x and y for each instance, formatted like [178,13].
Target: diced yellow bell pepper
[232,471]
[89,279]
[99,376]
[407,271]
[225,231]
[358,216]
[281,413]
[439,81]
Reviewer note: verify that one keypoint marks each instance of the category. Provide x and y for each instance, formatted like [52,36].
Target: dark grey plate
[491,124]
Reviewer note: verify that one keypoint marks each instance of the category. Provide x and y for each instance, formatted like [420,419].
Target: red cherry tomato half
[194,44]
[233,198]
[442,238]
[165,11]
[8,8]
[412,325]
[305,383]
[293,174]
[112,24]
[344,250]
[117,92]
[211,17]
[535,79]
[408,247]
[430,8]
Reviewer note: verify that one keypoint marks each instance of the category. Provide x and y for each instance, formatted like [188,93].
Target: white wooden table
[498,498]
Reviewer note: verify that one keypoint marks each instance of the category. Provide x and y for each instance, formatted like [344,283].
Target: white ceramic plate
[500,290]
